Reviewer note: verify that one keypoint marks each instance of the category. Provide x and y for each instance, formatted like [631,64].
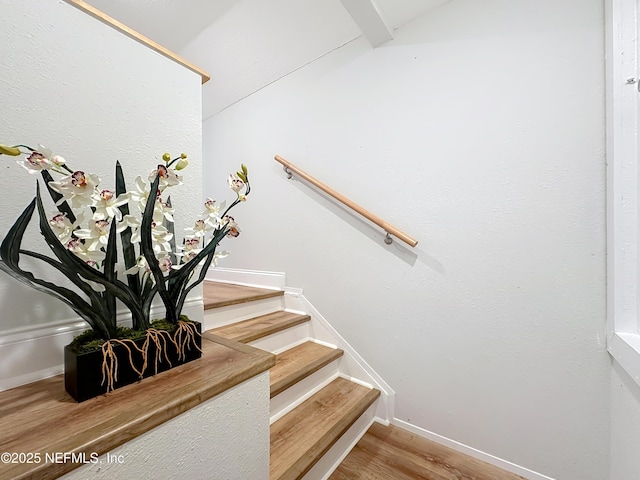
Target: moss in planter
[89,340]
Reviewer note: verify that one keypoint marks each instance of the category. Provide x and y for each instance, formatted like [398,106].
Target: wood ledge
[41,417]
[138,37]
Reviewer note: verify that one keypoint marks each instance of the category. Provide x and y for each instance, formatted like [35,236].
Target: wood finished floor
[219,294]
[391,453]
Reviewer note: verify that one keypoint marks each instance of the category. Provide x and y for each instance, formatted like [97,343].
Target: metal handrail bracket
[389,230]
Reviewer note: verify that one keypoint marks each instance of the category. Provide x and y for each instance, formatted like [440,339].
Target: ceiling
[247,44]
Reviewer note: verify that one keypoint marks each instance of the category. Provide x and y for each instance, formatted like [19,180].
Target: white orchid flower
[141,266]
[162,211]
[165,264]
[78,188]
[213,208]
[188,251]
[62,227]
[96,236]
[160,238]
[106,204]
[90,256]
[168,177]
[140,195]
[200,228]
[212,212]
[42,160]
[218,256]
[134,223]
[234,228]
[235,183]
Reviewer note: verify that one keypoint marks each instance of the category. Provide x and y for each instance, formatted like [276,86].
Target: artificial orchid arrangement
[119,243]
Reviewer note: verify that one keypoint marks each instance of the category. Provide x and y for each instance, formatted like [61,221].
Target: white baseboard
[470,451]
[251,278]
[338,452]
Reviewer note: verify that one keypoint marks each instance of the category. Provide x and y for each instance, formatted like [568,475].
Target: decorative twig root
[159,337]
[185,336]
[110,361]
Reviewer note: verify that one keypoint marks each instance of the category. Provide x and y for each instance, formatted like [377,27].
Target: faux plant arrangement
[88,229]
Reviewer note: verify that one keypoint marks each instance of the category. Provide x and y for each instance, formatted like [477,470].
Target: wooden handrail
[389,229]
[112,22]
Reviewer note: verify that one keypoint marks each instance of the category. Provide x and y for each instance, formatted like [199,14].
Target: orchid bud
[242,176]
[183,155]
[244,169]
[13,151]
[166,157]
[182,163]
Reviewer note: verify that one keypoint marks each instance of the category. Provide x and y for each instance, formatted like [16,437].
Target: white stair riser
[293,396]
[352,365]
[334,456]
[284,339]
[218,317]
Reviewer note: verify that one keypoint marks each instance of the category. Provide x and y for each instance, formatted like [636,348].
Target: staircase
[317,412]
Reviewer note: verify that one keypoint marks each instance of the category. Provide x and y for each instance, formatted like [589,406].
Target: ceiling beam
[370,20]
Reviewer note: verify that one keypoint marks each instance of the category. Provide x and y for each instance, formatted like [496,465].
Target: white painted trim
[624,347]
[31,332]
[472,452]
[357,381]
[297,343]
[220,316]
[352,364]
[251,278]
[296,301]
[339,450]
[369,18]
[623,194]
[76,324]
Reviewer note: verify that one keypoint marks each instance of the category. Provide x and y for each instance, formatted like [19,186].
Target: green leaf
[109,267]
[146,247]
[128,249]
[10,253]
[77,267]
[178,279]
[10,247]
[94,314]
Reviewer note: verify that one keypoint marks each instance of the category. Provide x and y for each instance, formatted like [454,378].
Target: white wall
[227,437]
[259,33]
[94,96]
[479,130]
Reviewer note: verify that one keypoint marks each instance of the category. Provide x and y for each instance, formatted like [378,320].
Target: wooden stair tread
[258,327]
[299,362]
[219,294]
[394,453]
[302,436]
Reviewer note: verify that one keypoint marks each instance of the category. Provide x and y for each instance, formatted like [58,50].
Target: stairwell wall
[480,131]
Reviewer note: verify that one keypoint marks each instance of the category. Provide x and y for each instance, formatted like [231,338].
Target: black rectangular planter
[83,372]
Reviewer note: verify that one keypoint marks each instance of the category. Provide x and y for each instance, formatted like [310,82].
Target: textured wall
[480,130]
[225,438]
[93,96]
